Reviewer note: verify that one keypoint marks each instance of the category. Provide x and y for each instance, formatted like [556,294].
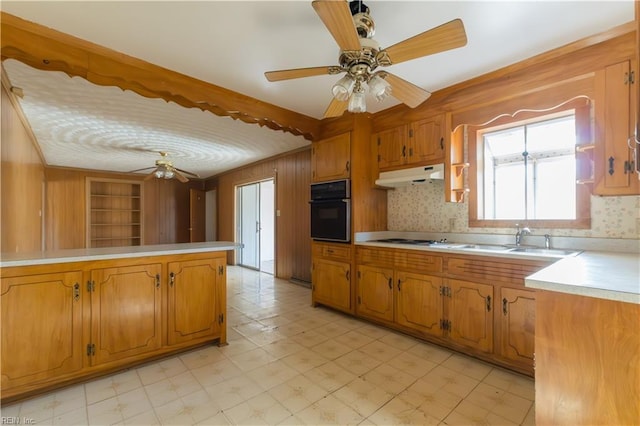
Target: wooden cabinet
[419,302]
[517,312]
[375,292]
[419,143]
[194,291]
[41,328]
[331,275]
[471,303]
[126,311]
[615,162]
[69,321]
[114,213]
[469,319]
[331,158]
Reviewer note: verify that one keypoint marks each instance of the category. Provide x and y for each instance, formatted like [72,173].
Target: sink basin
[543,251]
[484,247]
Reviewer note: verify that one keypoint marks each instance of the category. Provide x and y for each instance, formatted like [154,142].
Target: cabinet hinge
[378,158]
[220,318]
[410,133]
[359,300]
[91,349]
[220,270]
[445,325]
[629,77]
[358,274]
[378,140]
[445,291]
[91,286]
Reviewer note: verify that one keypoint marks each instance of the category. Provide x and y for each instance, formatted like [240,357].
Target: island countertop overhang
[106,253]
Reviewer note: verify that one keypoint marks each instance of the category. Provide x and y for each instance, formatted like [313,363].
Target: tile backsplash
[422,208]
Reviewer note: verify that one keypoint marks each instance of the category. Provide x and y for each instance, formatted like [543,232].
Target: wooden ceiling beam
[50,50]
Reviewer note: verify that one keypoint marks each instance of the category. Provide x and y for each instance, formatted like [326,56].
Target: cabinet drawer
[332,251]
[418,261]
[491,270]
[375,256]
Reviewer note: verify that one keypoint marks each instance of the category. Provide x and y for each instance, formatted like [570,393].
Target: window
[530,170]
[525,171]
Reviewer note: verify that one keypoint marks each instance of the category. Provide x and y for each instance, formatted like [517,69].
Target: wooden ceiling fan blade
[182,178]
[439,39]
[139,170]
[407,93]
[336,16]
[336,108]
[184,172]
[300,73]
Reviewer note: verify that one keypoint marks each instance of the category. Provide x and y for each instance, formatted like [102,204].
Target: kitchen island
[69,315]
[587,340]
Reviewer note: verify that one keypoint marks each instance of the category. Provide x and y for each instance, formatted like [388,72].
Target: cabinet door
[426,143]
[375,292]
[615,164]
[392,147]
[126,313]
[331,283]
[331,158]
[470,314]
[192,308]
[518,313]
[418,302]
[41,327]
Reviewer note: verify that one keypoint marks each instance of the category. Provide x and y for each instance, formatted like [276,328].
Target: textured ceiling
[232,44]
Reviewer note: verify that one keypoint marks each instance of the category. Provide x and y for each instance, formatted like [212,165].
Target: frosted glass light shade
[357,102]
[379,88]
[343,88]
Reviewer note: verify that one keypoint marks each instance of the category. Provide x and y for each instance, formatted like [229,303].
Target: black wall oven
[331,211]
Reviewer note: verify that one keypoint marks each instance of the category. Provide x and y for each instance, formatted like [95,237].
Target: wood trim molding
[8,87]
[50,50]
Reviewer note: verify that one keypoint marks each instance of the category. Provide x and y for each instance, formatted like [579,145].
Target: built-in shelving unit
[114,213]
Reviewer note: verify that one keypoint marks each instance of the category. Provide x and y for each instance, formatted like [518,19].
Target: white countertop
[612,276]
[80,255]
[604,275]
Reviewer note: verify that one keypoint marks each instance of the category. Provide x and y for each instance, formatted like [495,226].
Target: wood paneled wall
[166,208]
[292,174]
[21,185]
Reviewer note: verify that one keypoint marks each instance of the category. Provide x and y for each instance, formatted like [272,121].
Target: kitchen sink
[544,251]
[484,247]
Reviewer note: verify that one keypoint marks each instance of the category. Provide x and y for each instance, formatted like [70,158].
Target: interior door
[249,225]
[197,208]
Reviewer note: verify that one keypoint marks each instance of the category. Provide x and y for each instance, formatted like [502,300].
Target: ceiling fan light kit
[164,169]
[360,55]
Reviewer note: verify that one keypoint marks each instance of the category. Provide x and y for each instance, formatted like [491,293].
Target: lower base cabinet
[201,280]
[65,322]
[41,327]
[126,312]
[473,304]
[331,276]
[518,321]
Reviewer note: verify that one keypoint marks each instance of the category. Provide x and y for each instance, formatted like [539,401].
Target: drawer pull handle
[76,292]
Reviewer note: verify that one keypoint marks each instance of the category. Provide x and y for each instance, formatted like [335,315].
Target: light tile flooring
[288,363]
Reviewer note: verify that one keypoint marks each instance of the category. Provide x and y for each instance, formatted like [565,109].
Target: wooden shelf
[114,213]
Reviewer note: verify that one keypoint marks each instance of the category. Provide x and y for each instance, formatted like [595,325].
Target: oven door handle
[343,200]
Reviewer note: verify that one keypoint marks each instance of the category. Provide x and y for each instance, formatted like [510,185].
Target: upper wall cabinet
[331,158]
[615,162]
[417,143]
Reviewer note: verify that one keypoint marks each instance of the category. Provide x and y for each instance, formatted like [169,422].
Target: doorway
[255,220]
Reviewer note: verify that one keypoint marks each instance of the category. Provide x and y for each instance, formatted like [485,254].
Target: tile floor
[288,363]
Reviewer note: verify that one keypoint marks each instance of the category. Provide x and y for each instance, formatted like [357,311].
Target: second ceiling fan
[360,56]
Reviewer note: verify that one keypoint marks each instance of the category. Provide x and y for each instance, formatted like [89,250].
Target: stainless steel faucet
[521,233]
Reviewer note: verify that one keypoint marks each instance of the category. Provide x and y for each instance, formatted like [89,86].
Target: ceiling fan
[360,55]
[164,169]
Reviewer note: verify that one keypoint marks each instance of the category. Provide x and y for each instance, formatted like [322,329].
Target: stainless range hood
[412,176]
